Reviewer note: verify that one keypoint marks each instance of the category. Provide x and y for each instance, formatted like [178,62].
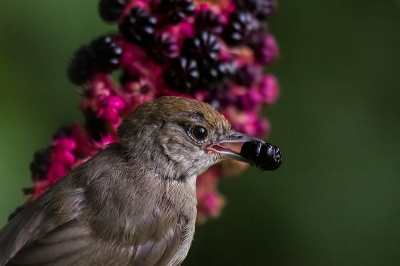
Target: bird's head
[179,136]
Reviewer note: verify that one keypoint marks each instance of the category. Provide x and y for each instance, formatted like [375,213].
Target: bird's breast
[147,210]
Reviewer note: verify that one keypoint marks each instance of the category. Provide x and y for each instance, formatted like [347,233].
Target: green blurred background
[336,198]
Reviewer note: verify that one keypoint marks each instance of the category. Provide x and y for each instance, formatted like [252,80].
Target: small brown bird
[134,203]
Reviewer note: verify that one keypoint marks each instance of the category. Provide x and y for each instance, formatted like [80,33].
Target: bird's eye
[199,132]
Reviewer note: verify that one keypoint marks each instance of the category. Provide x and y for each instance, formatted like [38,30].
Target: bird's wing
[17,232]
[36,238]
[71,244]
[61,246]
[35,230]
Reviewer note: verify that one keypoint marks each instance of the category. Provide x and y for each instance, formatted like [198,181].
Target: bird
[134,202]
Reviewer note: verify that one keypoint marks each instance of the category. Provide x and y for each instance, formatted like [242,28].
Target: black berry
[80,68]
[262,155]
[97,126]
[62,132]
[257,38]
[226,69]
[40,164]
[162,47]
[107,53]
[213,73]
[262,9]
[27,191]
[248,74]
[138,26]
[208,21]
[264,47]
[203,46]
[221,97]
[182,75]
[208,76]
[240,27]
[176,10]
[111,10]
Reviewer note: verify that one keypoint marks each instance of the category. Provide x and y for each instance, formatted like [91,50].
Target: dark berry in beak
[264,156]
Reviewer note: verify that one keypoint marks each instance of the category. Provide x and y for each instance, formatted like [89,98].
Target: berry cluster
[213,51]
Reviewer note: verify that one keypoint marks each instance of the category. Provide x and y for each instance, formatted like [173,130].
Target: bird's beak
[235,137]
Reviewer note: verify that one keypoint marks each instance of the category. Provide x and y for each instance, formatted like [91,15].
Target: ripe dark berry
[80,68]
[62,132]
[27,191]
[262,9]
[176,10]
[162,47]
[209,45]
[251,150]
[270,156]
[264,46]
[214,73]
[107,53]
[203,46]
[111,10]
[221,97]
[248,74]
[97,126]
[40,164]
[257,37]
[262,155]
[138,26]
[226,69]
[182,75]
[240,27]
[208,21]
[101,56]
[208,75]
[191,47]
